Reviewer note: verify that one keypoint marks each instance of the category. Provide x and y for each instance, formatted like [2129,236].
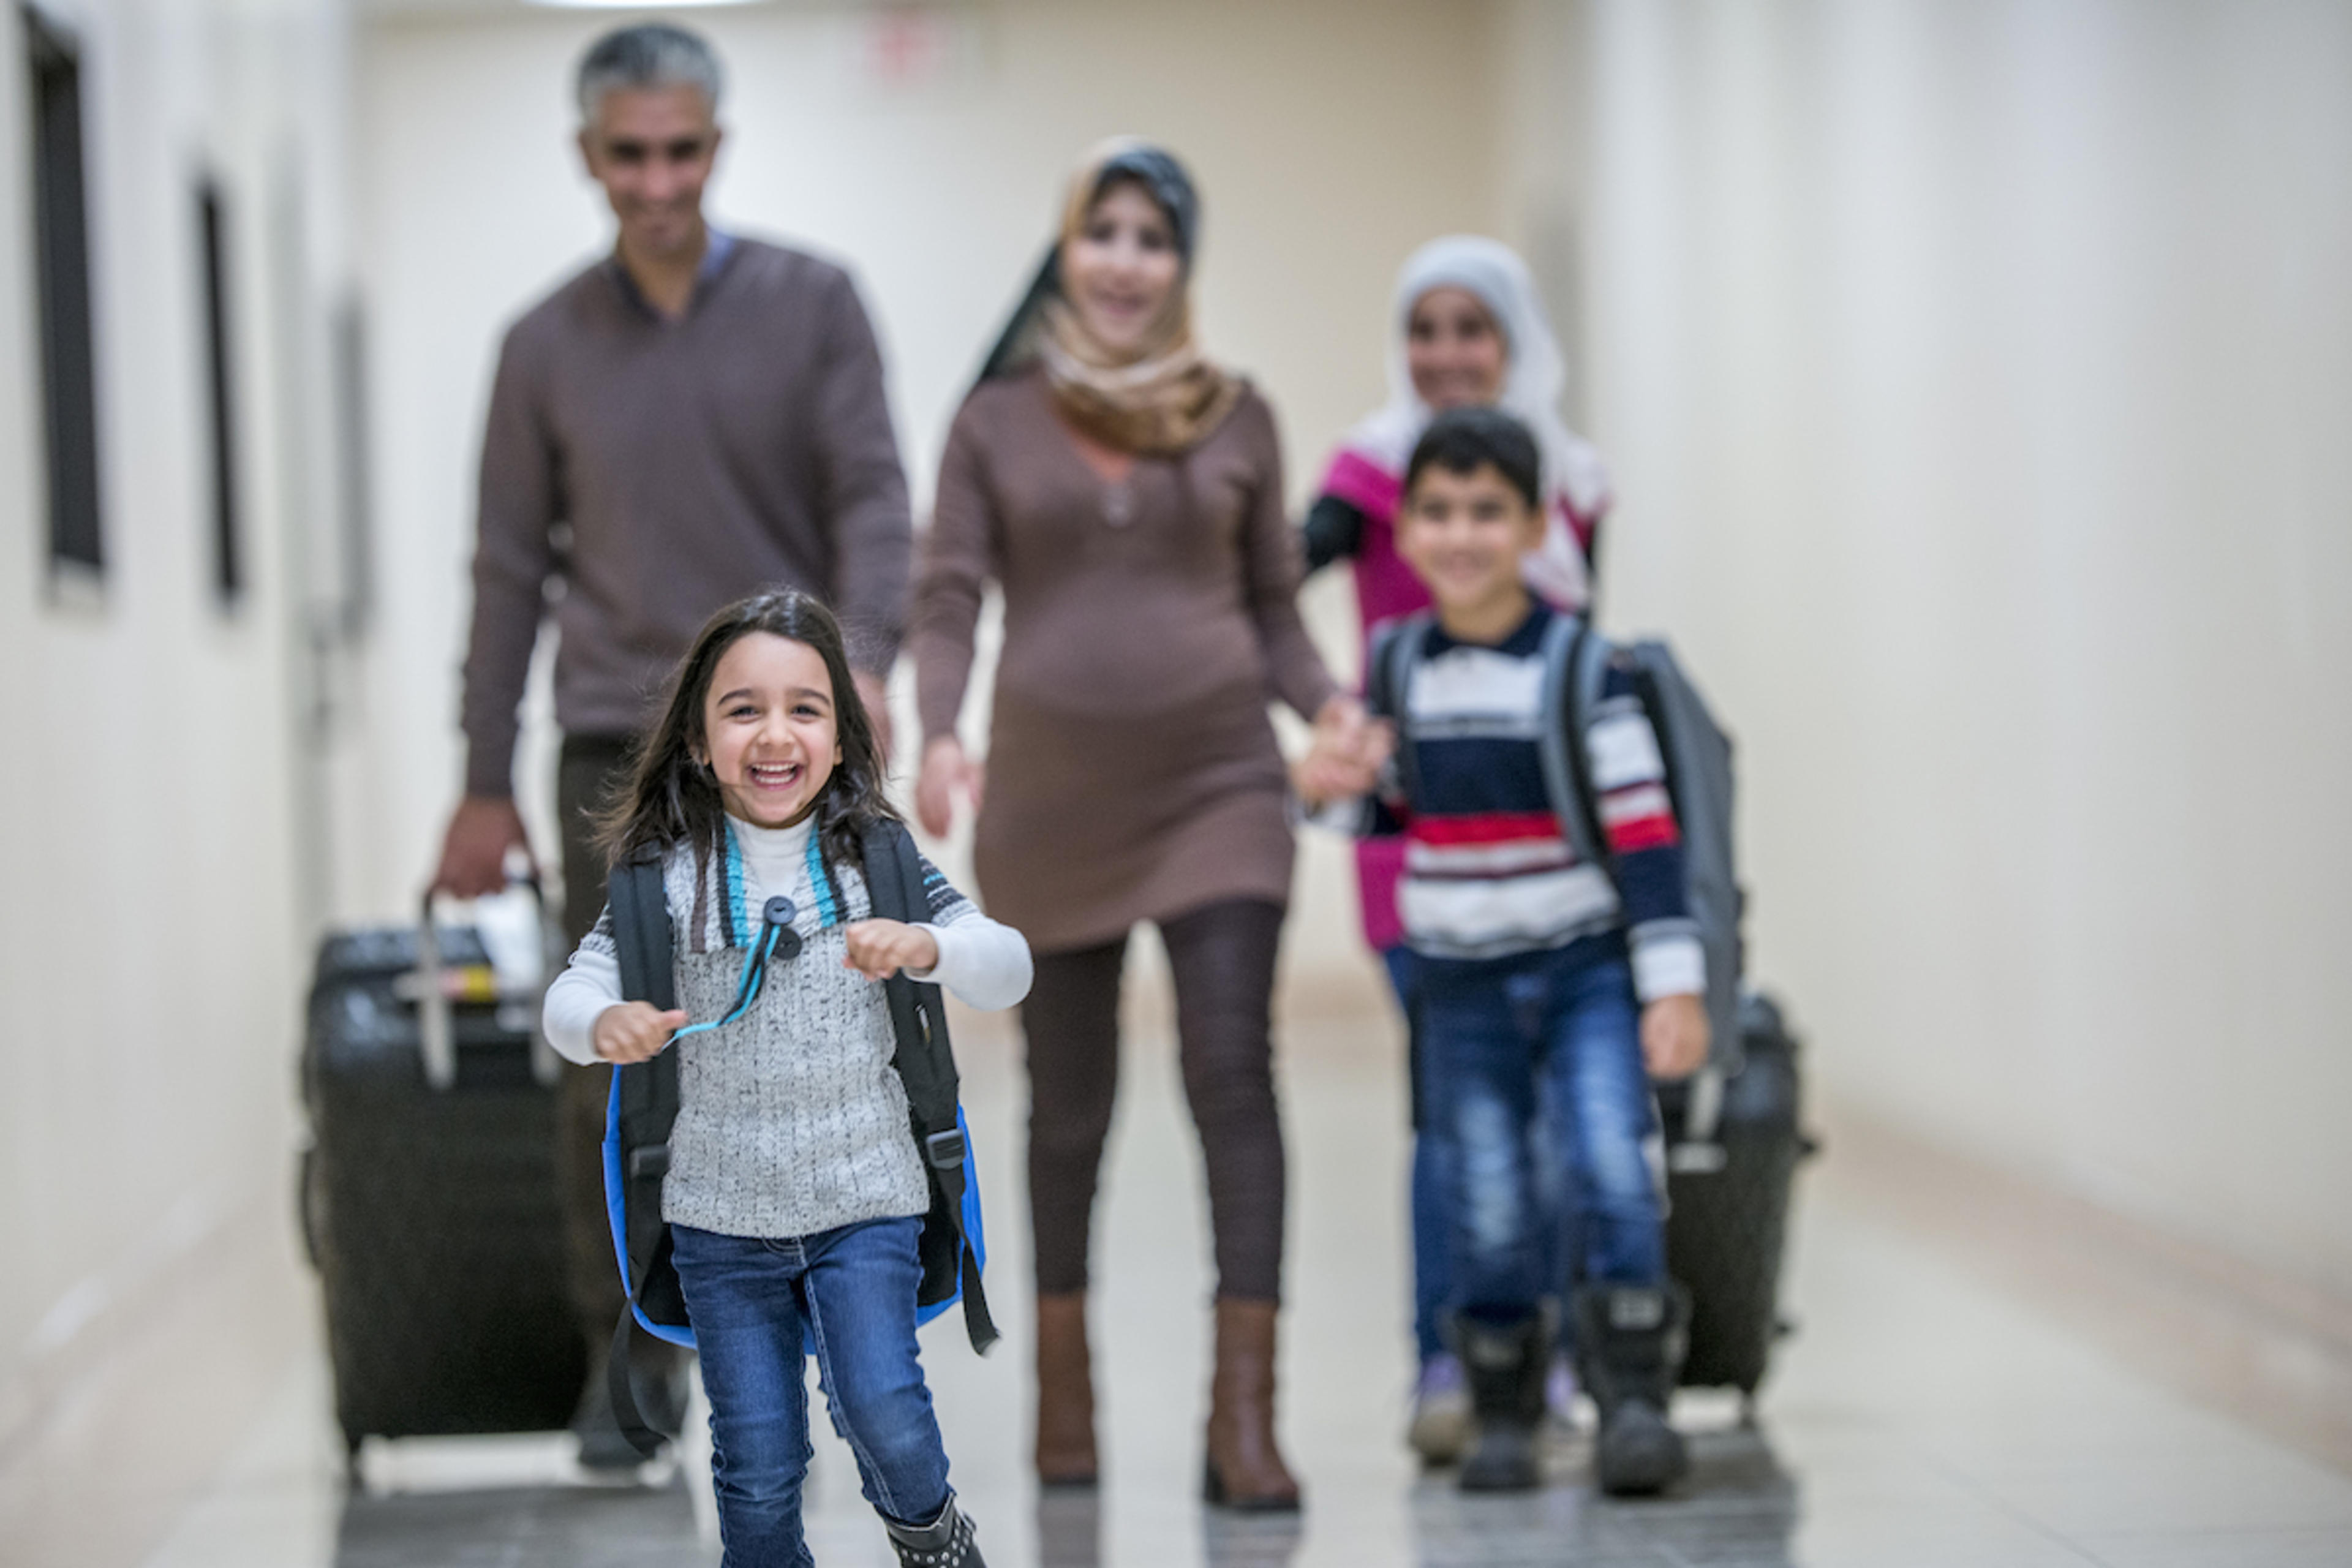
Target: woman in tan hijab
[1126,492]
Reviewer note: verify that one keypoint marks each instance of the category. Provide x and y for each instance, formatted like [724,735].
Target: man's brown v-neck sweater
[744,445]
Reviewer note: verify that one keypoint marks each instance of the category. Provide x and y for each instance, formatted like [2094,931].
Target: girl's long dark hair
[673,799]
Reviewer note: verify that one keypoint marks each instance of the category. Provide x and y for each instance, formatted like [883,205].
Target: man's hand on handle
[473,853]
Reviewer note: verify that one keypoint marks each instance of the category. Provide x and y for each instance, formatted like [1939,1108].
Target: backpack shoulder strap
[1387,675]
[925,1057]
[1396,647]
[641,931]
[638,1116]
[1575,663]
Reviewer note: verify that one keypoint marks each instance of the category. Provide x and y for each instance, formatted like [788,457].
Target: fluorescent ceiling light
[634,5]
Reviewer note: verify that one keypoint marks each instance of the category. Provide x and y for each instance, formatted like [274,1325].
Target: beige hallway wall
[1328,137]
[153,939]
[1977,379]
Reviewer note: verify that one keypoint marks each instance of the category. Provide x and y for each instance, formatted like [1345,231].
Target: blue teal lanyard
[776,938]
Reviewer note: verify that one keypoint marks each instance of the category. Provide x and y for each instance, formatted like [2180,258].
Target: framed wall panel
[61,265]
[220,345]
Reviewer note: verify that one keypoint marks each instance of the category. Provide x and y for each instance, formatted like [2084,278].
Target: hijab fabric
[1573,477]
[1159,402]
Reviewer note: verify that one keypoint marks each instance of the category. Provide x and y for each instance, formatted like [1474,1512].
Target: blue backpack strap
[638,1117]
[1575,663]
[925,1063]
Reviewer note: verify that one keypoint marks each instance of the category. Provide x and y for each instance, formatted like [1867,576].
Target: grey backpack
[1697,756]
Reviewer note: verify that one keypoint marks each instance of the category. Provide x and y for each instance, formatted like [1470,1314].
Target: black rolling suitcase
[429,1192]
[1734,1137]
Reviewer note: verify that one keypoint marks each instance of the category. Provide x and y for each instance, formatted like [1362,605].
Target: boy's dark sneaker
[1630,1341]
[945,1543]
[1637,1454]
[1506,1363]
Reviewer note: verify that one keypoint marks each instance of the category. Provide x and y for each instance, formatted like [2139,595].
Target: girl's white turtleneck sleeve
[589,983]
[986,965]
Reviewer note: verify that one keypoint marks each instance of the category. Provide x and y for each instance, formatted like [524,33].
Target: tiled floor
[1922,1418]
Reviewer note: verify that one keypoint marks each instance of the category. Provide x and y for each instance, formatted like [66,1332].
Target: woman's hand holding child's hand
[1349,751]
[1674,1037]
[877,948]
[633,1031]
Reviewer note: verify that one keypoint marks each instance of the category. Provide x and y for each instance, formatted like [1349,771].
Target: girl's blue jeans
[754,1303]
[1532,1068]
[1433,1165]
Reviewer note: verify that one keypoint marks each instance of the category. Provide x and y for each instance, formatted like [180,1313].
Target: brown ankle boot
[1244,1469]
[1066,1392]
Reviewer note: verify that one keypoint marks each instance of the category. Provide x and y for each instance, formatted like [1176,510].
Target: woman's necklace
[1113,469]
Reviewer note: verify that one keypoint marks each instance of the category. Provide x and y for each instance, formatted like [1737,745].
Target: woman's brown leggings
[1222,958]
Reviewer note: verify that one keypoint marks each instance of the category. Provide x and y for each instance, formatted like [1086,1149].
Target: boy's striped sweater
[1488,870]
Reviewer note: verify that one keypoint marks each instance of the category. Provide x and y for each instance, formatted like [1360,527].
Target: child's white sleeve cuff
[589,983]
[986,965]
[1668,962]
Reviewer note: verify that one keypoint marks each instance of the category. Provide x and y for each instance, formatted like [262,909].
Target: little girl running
[795,1194]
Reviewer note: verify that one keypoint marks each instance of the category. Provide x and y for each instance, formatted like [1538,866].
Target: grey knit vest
[791,1119]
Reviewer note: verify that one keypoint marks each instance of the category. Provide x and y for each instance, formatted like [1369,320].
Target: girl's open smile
[770,729]
[768,776]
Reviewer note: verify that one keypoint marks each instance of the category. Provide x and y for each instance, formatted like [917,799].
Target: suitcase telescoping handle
[1698,1150]
[436,1032]
[436,1026]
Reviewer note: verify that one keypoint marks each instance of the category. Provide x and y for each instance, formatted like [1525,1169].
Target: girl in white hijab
[1467,329]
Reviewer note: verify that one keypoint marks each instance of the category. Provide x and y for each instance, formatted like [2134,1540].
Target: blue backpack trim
[616,1214]
[975,1234]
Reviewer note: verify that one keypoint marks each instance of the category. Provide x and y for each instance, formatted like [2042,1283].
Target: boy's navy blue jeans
[1506,1040]
[1432,1191]
[851,1292]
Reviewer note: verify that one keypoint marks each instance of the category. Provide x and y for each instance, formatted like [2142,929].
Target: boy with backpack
[1545,968]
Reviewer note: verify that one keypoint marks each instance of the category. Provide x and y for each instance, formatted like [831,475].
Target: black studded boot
[1504,1364]
[1629,1346]
[945,1543]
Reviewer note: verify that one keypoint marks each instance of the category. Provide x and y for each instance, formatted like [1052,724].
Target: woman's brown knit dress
[1132,775]
[1132,769]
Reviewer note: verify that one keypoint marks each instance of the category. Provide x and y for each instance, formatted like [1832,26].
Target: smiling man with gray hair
[692,417]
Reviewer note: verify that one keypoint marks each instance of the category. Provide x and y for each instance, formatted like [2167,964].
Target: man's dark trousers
[589,777]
